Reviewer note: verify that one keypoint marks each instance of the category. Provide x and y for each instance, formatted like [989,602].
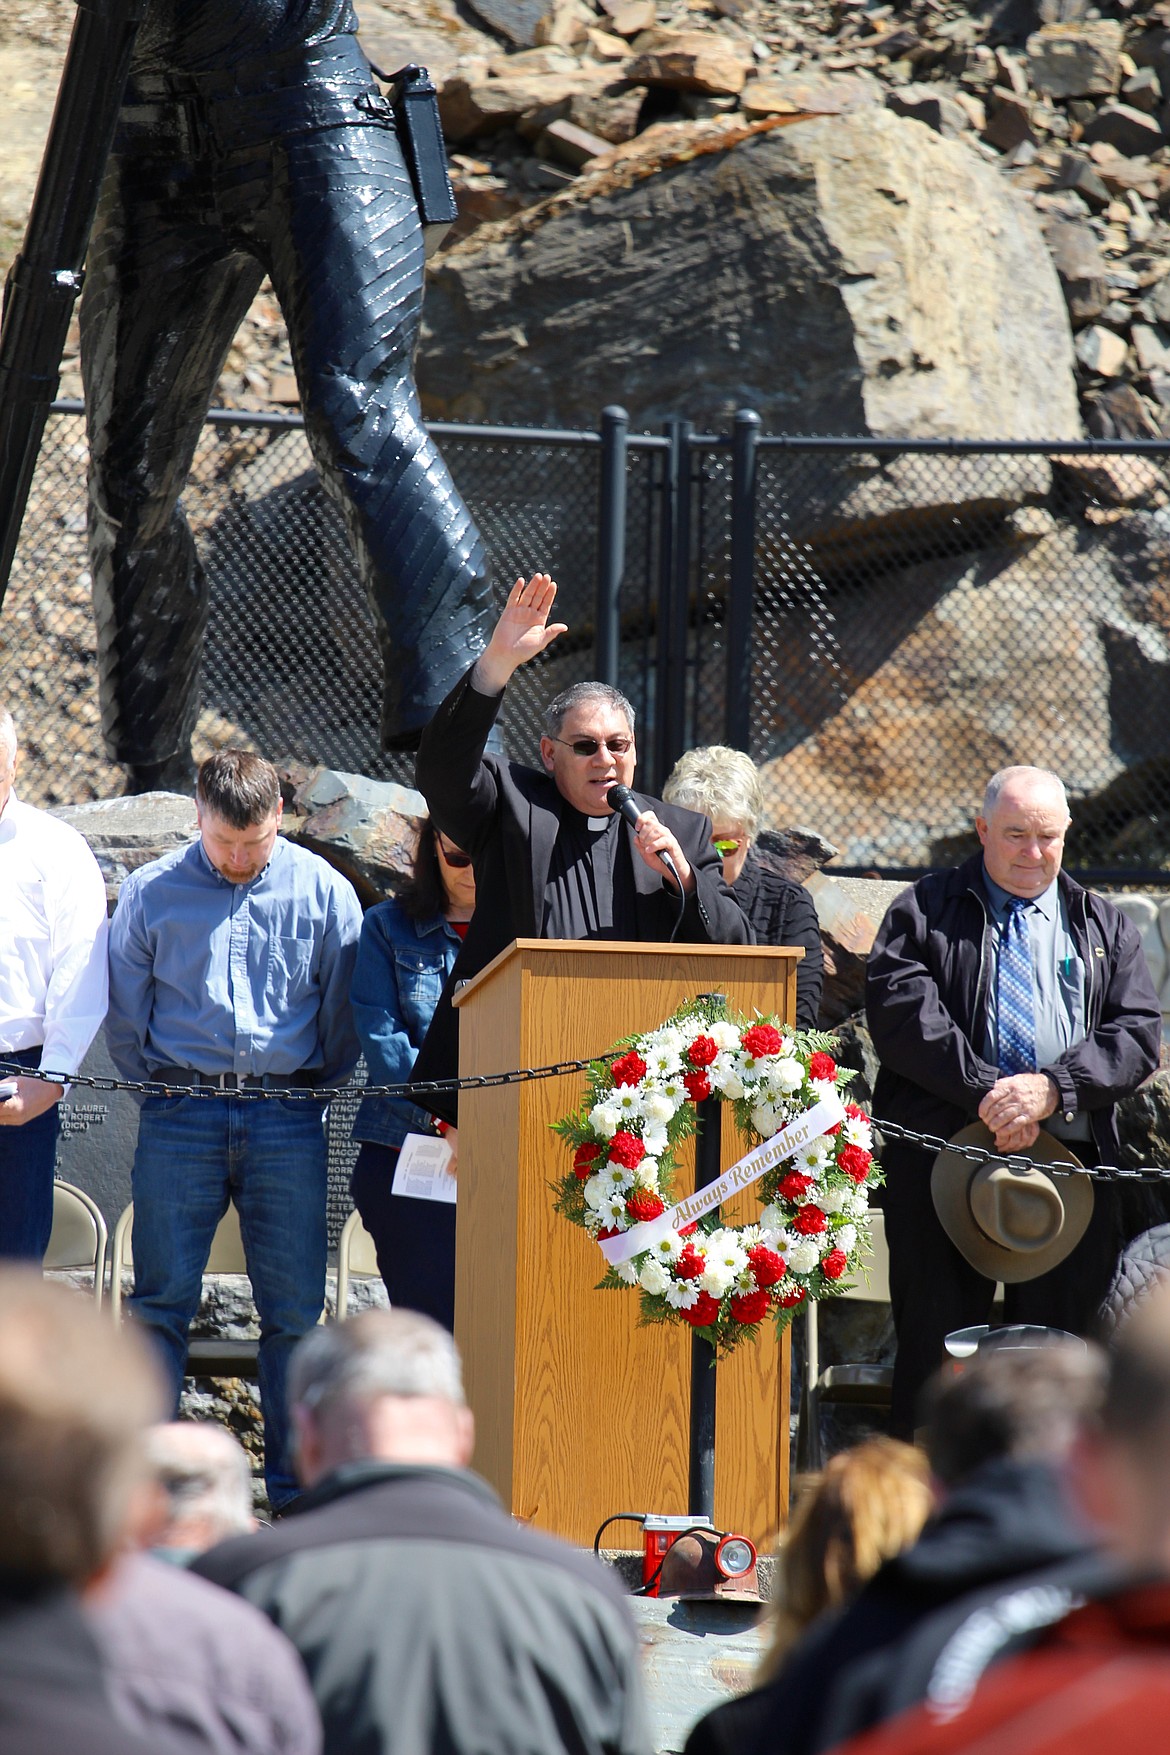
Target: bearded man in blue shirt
[230,967]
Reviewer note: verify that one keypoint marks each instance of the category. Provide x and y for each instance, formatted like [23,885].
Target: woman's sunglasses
[589,746]
[725,847]
[460,861]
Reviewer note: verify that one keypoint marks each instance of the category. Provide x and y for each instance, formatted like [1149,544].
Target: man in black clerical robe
[552,860]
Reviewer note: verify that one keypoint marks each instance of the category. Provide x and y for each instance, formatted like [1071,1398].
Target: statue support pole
[45,279]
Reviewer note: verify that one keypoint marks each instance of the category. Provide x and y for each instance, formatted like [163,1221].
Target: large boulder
[852,274]
[1056,648]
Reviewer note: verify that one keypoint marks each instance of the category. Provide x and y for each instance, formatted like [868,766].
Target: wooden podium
[579,1412]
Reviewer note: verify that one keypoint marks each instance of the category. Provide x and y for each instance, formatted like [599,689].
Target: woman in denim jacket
[408,946]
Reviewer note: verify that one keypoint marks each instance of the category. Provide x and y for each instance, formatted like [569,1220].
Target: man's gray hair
[719,782]
[998,782]
[204,1473]
[7,733]
[379,1353]
[562,705]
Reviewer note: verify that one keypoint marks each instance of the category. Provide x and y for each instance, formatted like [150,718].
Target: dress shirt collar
[1048,901]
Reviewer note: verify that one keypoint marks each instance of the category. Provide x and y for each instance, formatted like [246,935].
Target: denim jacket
[401,967]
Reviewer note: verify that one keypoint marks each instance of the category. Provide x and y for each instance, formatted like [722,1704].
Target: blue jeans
[28,1156]
[268,1156]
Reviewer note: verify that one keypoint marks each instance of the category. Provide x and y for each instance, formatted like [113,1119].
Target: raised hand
[522,632]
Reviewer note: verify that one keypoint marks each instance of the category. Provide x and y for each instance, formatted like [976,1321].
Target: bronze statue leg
[164,294]
[348,271]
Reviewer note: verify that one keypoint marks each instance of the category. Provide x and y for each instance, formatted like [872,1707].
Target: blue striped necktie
[1015,993]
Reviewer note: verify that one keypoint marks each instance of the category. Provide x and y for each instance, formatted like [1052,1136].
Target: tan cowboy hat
[1011,1224]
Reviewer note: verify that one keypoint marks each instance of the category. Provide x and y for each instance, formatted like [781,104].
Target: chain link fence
[882,624]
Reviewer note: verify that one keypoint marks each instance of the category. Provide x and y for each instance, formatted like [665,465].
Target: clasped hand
[1014,1108]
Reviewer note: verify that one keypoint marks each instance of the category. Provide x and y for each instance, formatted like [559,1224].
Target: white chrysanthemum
[604,1119]
[655,1141]
[773,1218]
[716,1279]
[725,1247]
[668,1248]
[823,1089]
[749,1237]
[615,1178]
[629,1103]
[834,1200]
[846,1238]
[802,1255]
[658,1108]
[745,1282]
[765,1120]
[785,1074]
[628,1271]
[689,1028]
[665,1058]
[681,1294]
[646,1175]
[613,1211]
[654,1278]
[859,1202]
[724,1074]
[596,1193]
[724,1034]
[857,1133]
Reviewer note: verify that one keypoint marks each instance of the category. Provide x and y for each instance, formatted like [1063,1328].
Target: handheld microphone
[621,800]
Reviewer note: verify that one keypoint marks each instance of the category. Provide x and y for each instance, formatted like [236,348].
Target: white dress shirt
[53,932]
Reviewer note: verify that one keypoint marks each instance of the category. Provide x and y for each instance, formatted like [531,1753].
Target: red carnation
[702,1312]
[689,1265]
[702,1051]
[584,1158]
[767,1267]
[834,1264]
[626,1149]
[794,1186]
[643,1203]
[698,1086]
[831,1131]
[629,1069]
[688,1230]
[856,1112]
[606,1232]
[810,1222]
[792,1299]
[855,1161]
[762,1039]
[822,1066]
[749,1307]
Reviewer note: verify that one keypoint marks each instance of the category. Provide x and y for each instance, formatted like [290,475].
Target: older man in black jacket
[1002,990]
[552,860]
[428,1621]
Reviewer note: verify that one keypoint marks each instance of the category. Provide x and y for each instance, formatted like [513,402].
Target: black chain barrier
[929,1142]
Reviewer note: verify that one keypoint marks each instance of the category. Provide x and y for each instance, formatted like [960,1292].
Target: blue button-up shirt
[245,978]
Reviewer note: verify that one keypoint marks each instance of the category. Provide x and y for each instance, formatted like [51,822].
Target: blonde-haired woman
[724,784]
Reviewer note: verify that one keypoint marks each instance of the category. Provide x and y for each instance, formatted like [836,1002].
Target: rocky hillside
[544,103]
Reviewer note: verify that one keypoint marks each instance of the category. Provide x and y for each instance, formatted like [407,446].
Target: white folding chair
[356,1259]
[79,1238]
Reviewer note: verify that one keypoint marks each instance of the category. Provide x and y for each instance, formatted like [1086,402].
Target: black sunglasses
[589,746]
[460,861]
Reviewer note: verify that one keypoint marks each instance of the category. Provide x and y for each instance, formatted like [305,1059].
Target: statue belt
[235,124]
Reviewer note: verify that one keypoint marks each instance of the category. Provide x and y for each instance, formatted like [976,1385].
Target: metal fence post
[741,580]
[673,601]
[611,543]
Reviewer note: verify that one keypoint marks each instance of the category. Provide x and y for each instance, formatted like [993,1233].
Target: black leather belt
[183,1075]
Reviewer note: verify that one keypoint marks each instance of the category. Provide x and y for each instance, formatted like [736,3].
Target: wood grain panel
[599,1407]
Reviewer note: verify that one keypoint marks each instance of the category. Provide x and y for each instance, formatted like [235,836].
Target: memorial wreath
[813,1166]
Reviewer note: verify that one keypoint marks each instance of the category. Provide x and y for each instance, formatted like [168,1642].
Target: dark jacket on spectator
[1007,1522]
[52,1686]
[782,912]
[1097,1680]
[182,1655]
[926,996]
[431,1624]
